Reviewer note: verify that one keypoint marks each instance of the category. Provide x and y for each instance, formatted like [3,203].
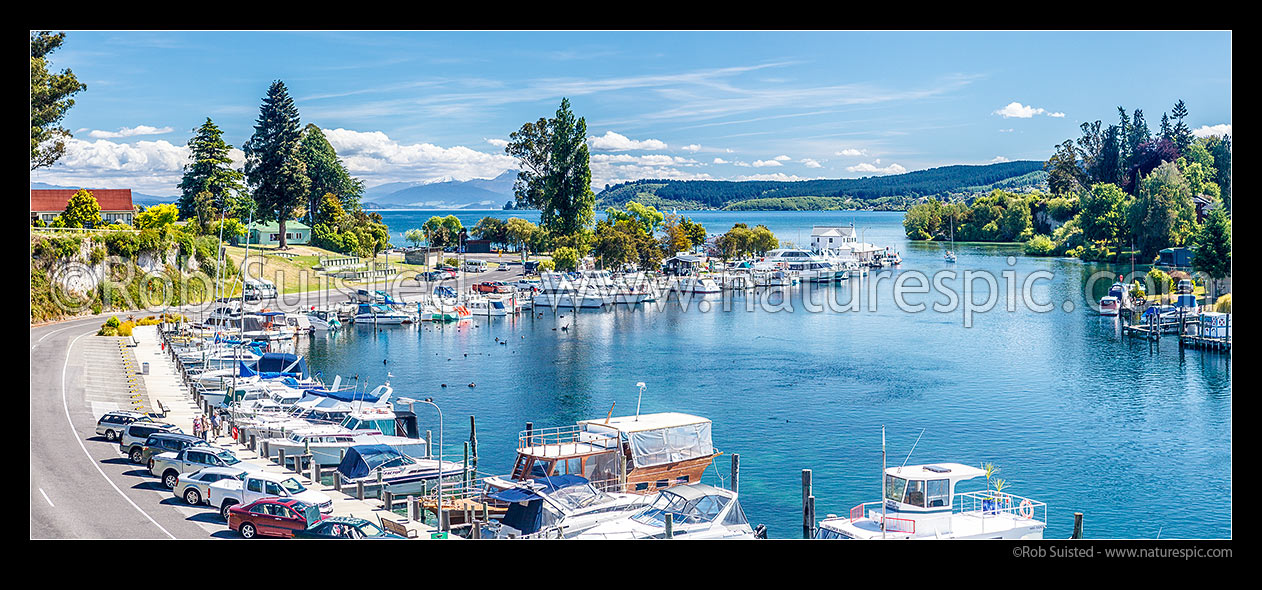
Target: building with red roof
[116,206]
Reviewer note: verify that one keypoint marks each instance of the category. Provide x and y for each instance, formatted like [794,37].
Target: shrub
[1160,280]
[547,265]
[97,255]
[1223,304]
[565,258]
[1040,245]
[451,261]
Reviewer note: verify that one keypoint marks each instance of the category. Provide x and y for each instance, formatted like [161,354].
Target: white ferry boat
[922,502]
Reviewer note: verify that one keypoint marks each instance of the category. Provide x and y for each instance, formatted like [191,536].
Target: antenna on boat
[642,386]
[913,449]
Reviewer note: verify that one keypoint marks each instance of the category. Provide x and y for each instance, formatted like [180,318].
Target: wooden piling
[414,509]
[359,490]
[387,500]
[810,511]
[281,454]
[1077,526]
[736,472]
[807,521]
[315,472]
[337,481]
[670,526]
[429,445]
[473,439]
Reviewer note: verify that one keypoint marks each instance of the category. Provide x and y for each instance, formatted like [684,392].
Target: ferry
[922,502]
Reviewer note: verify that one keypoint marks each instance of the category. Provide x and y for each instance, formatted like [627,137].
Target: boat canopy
[362,460]
[348,395]
[659,438]
[282,363]
[532,490]
[533,516]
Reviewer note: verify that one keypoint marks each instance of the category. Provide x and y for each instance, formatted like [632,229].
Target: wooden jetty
[1155,327]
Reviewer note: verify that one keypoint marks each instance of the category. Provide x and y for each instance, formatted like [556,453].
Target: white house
[828,237]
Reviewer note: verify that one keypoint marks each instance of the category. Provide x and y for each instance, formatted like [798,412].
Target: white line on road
[50,502]
[66,405]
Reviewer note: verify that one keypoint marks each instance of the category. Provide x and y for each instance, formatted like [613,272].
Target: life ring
[234,433]
[1027,509]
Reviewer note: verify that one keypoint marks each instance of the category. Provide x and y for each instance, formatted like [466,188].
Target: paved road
[81,487]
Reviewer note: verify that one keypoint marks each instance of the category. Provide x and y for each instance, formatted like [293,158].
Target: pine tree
[1181,135]
[1213,245]
[50,99]
[1167,132]
[1137,135]
[275,173]
[209,171]
[327,173]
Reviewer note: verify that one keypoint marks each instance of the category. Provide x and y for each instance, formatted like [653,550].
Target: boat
[800,264]
[950,254]
[404,474]
[377,314]
[562,290]
[923,502]
[1117,298]
[558,508]
[323,320]
[696,511]
[696,284]
[625,453]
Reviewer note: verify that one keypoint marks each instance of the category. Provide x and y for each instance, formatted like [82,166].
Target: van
[475,266]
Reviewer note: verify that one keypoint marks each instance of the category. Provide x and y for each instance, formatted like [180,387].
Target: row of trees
[1000,216]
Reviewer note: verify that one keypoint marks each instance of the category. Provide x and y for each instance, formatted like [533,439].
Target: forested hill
[719,194]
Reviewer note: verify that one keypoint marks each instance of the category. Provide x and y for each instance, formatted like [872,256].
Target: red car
[273,517]
[492,287]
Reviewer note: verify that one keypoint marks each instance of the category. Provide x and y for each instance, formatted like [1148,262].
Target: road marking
[41,339]
[50,502]
[65,403]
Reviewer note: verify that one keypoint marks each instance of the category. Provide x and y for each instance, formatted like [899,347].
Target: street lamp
[430,401]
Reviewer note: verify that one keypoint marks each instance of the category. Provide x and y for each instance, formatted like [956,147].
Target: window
[274,489]
[261,509]
[916,493]
[894,488]
[255,485]
[938,493]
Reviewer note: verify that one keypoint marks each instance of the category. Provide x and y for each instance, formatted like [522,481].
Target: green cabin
[268,234]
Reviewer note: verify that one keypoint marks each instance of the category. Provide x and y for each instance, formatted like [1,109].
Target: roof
[954,471]
[697,491]
[272,226]
[648,421]
[826,231]
[110,199]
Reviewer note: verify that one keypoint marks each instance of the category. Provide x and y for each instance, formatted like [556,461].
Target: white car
[192,487]
[225,494]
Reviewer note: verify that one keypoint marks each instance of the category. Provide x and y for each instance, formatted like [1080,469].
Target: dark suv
[159,442]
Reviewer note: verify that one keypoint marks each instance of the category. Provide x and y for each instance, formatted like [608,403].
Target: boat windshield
[894,488]
[575,497]
[702,510]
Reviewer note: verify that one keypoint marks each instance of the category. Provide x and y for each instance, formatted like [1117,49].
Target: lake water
[1136,436]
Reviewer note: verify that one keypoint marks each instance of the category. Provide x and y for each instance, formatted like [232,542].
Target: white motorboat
[323,320]
[381,315]
[697,511]
[696,284]
[559,507]
[403,474]
[922,502]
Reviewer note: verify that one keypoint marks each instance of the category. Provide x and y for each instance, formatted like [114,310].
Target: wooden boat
[637,454]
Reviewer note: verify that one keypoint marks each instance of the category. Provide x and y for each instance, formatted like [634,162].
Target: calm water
[1138,437]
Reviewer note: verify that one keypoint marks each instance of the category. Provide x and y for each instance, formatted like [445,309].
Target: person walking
[215,423]
[197,426]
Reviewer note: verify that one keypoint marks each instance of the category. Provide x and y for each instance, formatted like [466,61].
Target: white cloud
[851,152]
[153,167]
[644,160]
[376,158]
[765,163]
[129,132]
[616,142]
[1009,130]
[782,158]
[875,169]
[692,147]
[998,159]
[809,163]
[1208,130]
[743,164]
[1020,111]
[778,176]
[720,161]
[496,142]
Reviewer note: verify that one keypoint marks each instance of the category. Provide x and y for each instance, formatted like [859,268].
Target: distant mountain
[136,198]
[934,182]
[478,193]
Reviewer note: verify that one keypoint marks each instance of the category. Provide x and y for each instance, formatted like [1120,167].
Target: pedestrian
[216,423]
[197,426]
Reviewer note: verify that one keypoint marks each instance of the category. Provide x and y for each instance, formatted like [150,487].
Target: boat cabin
[925,488]
[637,454]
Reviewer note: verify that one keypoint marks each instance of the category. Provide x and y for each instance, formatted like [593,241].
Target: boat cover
[542,484]
[280,363]
[532,517]
[345,395]
[362,460]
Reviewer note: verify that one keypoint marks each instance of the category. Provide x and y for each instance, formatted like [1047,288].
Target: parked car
[345,527]
[225,494]
[492,287]
[170,465]
[433,275]
[272,517]
[192,486]
[111,425]
[137,433]
[530,266]
[158,443]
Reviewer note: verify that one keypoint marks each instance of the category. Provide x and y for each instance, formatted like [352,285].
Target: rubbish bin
[144,368]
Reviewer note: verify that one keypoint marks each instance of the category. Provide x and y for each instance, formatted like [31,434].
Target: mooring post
[281,454]
[359,490]
[670,530]
[1077,526]
[387,500]
[465,478]
[810,511]
[414,509]
[736,472]
[806,495]
[315,472]
[473,439]
[429,445]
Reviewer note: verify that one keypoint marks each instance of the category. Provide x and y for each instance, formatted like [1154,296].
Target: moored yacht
[696,511]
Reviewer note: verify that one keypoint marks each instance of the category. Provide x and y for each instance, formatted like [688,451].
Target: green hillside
[893,192]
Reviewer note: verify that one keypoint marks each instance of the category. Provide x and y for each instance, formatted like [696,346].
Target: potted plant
[989,499]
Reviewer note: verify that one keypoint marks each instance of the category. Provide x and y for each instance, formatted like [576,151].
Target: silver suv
[112,424]
[132,440]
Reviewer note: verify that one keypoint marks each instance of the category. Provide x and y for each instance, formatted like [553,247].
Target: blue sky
[417,106]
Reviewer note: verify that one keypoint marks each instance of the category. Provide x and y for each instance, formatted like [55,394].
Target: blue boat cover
[550,484]
[344,395]
[244,370]
[278,362]
[361,460]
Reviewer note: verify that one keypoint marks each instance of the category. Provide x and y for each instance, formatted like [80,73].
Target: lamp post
[430,401]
